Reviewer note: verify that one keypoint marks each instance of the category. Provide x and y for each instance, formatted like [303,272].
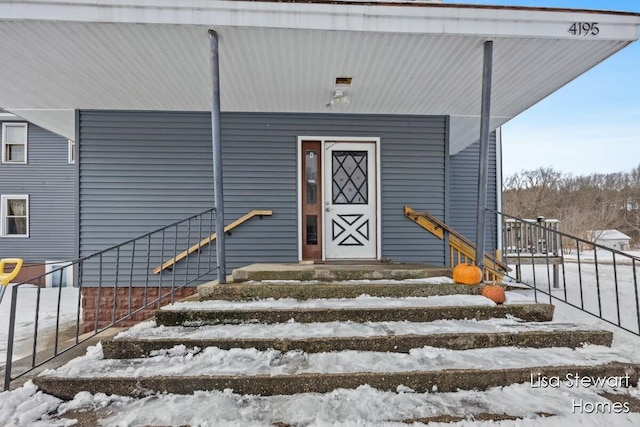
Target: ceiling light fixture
[338,97]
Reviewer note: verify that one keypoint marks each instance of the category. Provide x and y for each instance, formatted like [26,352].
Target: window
[15,216]
[58,278]
[72,152]
[14,143]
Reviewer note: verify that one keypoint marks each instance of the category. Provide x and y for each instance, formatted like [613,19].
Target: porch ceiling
[284,57]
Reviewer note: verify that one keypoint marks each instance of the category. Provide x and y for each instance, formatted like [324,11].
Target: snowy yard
[598,289]
[602,255]
[24,333]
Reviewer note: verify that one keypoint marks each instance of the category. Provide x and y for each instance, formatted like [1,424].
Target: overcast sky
[590,125]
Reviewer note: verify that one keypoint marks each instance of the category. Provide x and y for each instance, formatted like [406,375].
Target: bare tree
[532,193]
[582,203]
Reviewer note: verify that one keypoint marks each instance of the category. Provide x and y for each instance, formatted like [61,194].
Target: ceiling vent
[343,81]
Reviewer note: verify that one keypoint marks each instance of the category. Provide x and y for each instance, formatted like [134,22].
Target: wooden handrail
[204,242]
[457,241]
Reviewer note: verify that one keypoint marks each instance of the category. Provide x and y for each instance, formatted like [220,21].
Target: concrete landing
[337,271]
[305,290]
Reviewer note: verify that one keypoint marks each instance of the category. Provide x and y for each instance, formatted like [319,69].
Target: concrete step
[134,348]
[441,285]
[529,405]
[197,317]
[329,272]
[447,380]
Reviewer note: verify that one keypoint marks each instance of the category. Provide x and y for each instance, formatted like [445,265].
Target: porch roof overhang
[405,58]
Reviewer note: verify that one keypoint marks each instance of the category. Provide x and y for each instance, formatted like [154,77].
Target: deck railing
[520,235]
[54,317]
[593,278]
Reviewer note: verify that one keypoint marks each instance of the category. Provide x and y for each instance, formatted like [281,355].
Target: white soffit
[284,57]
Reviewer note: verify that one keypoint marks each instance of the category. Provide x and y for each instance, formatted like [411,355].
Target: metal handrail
[104,270]
[588,285]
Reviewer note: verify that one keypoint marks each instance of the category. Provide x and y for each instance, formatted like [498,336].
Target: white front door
[350,200]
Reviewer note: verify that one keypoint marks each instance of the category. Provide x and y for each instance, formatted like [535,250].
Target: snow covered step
[146,337]
[526,405]
[361,309]
[254,372]
[374,271]
[293,330]
[421,287]
[132,348]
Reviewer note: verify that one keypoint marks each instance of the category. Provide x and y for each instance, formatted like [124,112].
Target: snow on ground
[362,406]
[597,289]
[26,313]
[602,255]
[27,406]
[342,407]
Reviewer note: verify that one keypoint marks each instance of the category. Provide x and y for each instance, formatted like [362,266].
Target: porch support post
[483,175]
[217,157]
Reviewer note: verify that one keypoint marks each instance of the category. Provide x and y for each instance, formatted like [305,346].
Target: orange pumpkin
[494,292]
[467,274]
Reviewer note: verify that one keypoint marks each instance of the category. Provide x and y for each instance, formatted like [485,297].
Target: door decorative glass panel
[311,174]
[349,178]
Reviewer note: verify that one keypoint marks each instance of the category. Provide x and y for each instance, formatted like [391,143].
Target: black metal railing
[45,323]
[591,277]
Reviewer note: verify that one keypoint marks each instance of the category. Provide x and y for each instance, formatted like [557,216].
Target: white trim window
[14,215]
[14,142]
[72,152]
[60,278]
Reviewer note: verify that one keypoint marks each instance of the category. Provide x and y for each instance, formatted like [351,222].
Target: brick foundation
[90,305]
[28,271]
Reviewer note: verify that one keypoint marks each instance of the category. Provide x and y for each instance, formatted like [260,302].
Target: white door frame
[378,184]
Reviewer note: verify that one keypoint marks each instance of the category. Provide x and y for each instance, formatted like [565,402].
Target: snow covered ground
[598,289]
[364,406]
[24,332]
[27,406]
[603,255]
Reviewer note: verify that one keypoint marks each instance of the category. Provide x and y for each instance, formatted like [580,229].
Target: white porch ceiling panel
[58,66]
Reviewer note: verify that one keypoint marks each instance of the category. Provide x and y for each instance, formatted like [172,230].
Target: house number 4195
[584,29]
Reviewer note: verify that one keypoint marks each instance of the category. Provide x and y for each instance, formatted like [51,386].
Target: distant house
[613,239]
[38,198]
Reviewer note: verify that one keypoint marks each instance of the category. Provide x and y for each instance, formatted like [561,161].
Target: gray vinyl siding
[49,181]
[143,170]
[463,194]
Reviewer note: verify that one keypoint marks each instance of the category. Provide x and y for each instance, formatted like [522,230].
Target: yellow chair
[6,278]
